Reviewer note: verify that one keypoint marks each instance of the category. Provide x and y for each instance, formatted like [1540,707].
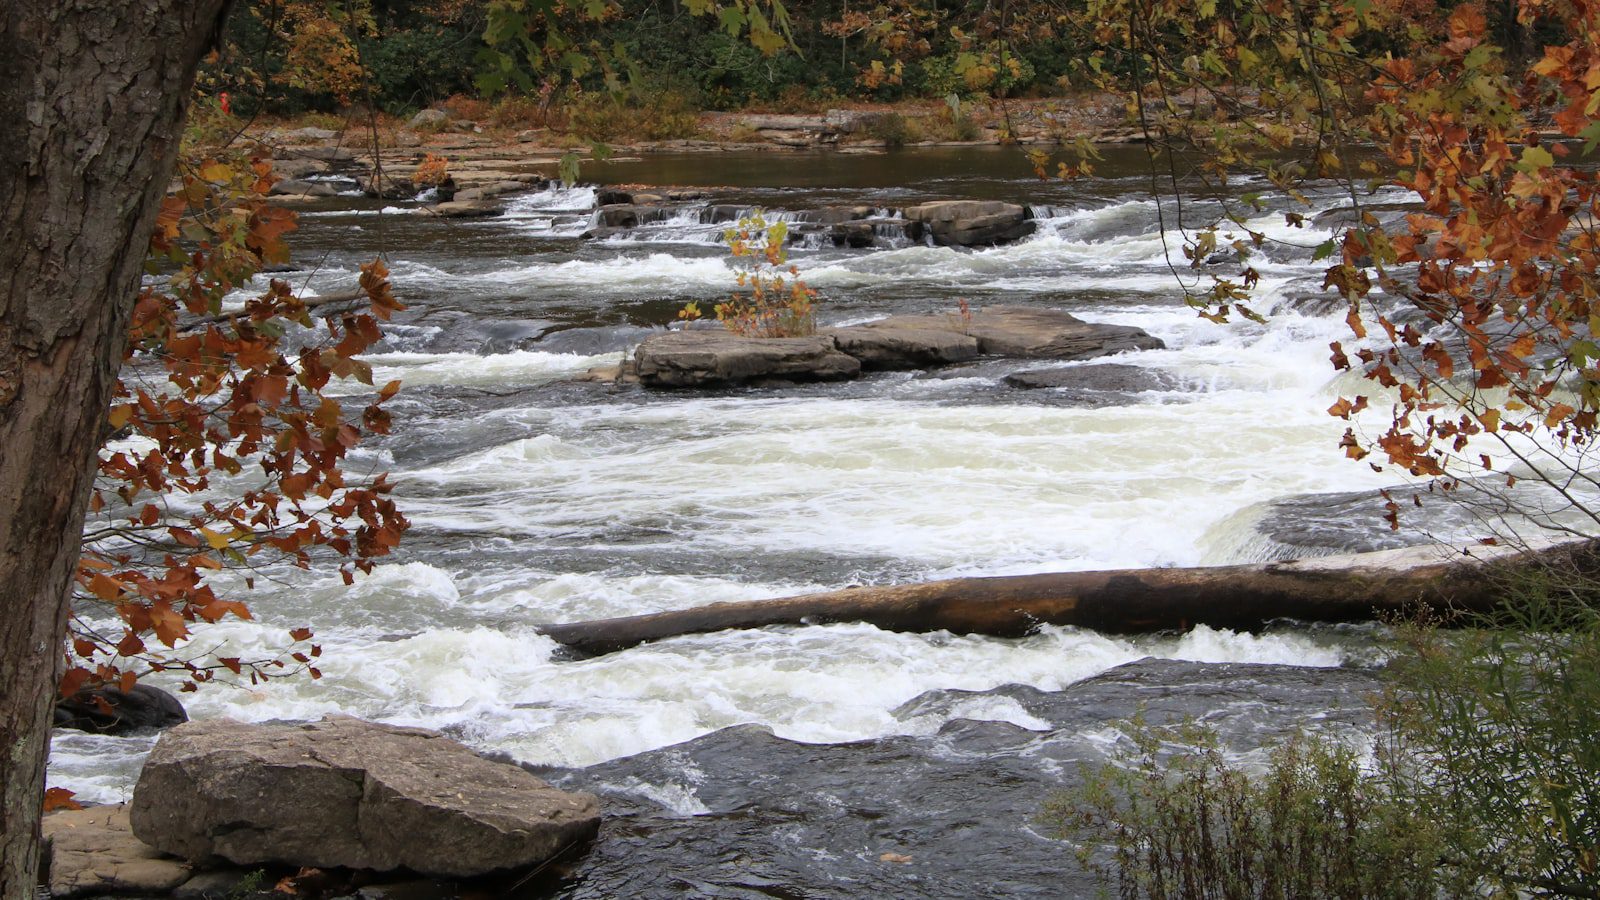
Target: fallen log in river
[1350,588]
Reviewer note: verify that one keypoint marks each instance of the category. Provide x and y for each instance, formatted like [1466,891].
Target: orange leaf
[60,798]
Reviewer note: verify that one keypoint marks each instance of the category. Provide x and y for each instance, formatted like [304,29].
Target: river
[536,500]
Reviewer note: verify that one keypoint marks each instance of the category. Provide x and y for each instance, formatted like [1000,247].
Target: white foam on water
[953,488]
[625,274]
[499,689]
[945,489]
[518,367]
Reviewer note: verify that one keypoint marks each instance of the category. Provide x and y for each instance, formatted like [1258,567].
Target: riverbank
[474,146]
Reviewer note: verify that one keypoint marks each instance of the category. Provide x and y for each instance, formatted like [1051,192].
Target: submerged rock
[708,357]
[108,710]
[1108,378]
[939,812]
[343,792]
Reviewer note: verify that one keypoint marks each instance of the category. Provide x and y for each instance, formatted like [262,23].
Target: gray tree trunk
[1353,588]
[92,99]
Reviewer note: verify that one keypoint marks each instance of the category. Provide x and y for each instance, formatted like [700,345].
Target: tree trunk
[92,98]
[1350,588]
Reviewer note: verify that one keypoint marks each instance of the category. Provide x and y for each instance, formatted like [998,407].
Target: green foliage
[1496,733]
[952,123]
[1182,821]
[969,74]
[892,128]
[418,67]
[1487,779]
[654,115]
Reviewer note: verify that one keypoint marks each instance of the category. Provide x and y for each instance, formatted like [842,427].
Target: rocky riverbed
[951,809]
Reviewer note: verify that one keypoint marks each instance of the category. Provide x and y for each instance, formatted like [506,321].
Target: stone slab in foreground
[344,792]
[94,851]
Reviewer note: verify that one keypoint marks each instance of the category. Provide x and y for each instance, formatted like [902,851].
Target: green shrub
[633,115]
[1178,821]
[892,128]
[1487,778]
[1495,730]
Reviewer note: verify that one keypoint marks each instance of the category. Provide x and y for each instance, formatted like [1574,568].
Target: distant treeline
[294,56]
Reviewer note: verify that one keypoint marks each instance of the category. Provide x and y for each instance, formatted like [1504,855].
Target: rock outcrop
[971,223]
[108,710]
[349,793]
[710,357]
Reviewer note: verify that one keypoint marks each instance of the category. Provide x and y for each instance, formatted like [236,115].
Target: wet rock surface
[1096,385]
[741,813]
[347,793]
[109,710]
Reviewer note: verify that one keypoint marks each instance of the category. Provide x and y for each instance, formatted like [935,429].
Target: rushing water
[533,500]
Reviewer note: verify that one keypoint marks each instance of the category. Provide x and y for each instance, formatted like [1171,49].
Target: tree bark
[92,99]
[1350,588]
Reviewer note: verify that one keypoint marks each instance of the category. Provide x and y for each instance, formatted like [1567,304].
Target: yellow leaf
[120,415]
[216,172]
[217,541]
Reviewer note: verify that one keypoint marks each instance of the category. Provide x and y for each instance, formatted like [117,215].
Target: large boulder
[703,357]
[109,710]
[93,851]
[894,344]
[344,792]
[429,120]
[971,223]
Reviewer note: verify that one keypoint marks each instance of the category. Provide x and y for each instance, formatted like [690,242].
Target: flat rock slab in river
[1099,379]
[1027,333]
[893,344]
[705,357]
[348,793]
[945,813]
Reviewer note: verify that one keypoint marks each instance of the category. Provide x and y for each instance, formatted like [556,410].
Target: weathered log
[1351,588]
